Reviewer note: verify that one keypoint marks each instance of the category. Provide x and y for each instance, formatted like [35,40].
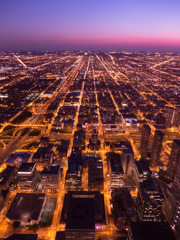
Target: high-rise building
[174,159]
[50,178]
[149,200]
[123,207]
[94,136]
[116,173]
[80,223]
[146,131]
[172,201]
[127,160]
[173,118]
[150,230]
[141,171]
[156,148]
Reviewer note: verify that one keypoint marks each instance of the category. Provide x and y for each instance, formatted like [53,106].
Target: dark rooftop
[151,231]
[23,237]
[81,214]
[26,167]
[26,207]
[51,170]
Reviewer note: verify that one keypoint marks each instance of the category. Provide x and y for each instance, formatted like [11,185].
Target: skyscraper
[173,117]
[174,158]
[94,136]
[172,201]
[127,160]
[146,131]
[156,147]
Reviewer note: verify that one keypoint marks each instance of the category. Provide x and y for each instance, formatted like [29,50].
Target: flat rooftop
[23,237]
[51,170]
[19,156]
[151,230]
[26,207]
[99,207]
[116,166]
[81,214]
[26,168]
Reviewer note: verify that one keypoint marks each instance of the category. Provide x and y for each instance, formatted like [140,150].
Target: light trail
[20,61]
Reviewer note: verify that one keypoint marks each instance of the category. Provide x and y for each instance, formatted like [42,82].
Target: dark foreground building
[150,231]
[156,148]
[146,131]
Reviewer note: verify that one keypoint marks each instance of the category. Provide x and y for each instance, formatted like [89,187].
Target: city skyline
[90,25]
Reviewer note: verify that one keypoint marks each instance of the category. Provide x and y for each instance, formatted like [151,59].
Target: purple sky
[90,25]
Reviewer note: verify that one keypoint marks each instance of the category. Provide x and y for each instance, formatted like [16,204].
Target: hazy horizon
[90,25]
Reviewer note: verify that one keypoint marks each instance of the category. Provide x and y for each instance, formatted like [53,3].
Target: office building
[80,223]
[99,206]
[123,207]
[95,175]
[50,178]
[174,159]
[171,204]
[43,156]
[146,131]
[73,180]
[27,176]
[127,160]
[141,171]
[150,231]
[156,148]
[116,173]
[95,136]
[19,236]
[149,200]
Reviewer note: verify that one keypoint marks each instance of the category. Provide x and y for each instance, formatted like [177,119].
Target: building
[123,207]
[50,178]
[26,208]
[80,223]
[43,156]
[149,200]
[174,159]
[173,118]
[23,237]
[150,231]
[6,177]
[94,143]
[116,173]
[44,141]
[146,131]
[19,157]
[95,136]
[127,160]
[27,176]
[130,117]
[73,180]
[141,171]
[95,175]
[99,209]
[156,148]
[171,204]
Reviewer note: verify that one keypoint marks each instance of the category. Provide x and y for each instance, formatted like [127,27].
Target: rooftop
[26,206]
[81,214]
[151,230]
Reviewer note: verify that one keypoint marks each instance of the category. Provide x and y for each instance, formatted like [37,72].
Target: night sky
[90,25]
